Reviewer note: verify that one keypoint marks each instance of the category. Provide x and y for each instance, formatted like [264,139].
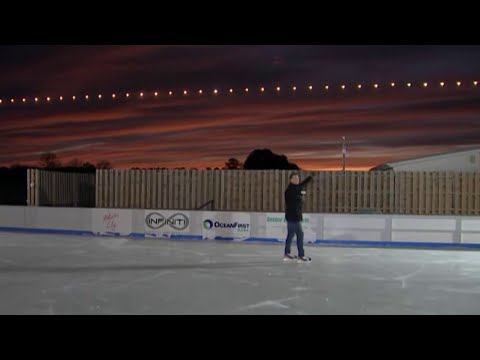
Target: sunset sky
[204,130]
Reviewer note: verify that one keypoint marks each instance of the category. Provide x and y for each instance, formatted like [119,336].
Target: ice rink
[51,274]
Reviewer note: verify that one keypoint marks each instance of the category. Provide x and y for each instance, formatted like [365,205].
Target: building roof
[390,165]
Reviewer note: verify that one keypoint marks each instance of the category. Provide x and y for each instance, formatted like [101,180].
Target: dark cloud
[200,131]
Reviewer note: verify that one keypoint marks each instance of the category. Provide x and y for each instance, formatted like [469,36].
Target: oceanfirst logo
[211,224]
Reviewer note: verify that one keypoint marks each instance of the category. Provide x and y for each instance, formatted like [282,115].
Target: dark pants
[295,228]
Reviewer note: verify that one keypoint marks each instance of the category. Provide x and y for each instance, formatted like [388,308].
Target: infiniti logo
[157,221]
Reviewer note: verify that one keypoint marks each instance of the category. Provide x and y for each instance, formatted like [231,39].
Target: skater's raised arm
[306,181]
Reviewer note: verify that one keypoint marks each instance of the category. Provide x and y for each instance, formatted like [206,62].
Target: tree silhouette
[18,166]
[265,159]
[75,163]
[49,161]
[104,165]
[232,164]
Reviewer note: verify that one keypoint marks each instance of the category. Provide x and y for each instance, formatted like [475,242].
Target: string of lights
[326,88]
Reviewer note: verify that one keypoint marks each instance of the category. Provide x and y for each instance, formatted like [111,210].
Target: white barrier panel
[425,223]
[471,231]
[243,226]
[276,227]
[358,235]
[165,224]
[358,222]
[12,216]
[426,229]
[357,228]
[222,225]
[58,219]
[471,225]
[112,222]
[473,238]
[423,237]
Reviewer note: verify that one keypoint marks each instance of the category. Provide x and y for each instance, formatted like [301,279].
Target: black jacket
[294,201]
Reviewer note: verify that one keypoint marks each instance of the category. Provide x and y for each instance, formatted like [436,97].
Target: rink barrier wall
[450,232]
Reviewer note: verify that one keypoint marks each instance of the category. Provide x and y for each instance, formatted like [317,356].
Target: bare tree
[232,164]
[49,161]
[17,166]
[75,163]
[88,166]
[104,165]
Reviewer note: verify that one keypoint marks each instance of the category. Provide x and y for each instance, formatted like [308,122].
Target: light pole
[344,152]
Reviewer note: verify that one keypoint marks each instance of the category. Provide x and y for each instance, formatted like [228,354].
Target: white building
[459,160]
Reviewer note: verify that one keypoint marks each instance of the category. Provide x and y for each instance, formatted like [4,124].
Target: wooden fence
[51,188]
[416,193]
